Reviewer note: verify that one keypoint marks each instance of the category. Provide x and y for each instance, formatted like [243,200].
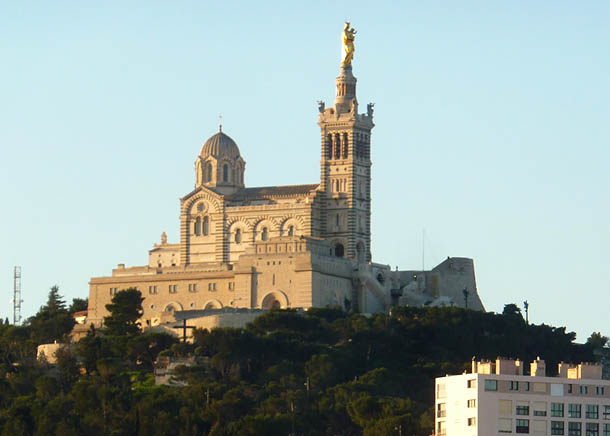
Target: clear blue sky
[492,133]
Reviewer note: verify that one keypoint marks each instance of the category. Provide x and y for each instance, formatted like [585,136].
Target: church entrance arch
[274,300]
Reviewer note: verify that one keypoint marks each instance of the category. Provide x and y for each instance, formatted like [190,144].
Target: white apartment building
[497,399]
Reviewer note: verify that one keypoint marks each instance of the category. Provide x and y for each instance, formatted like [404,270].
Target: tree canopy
[53,322]
[125,309]
[320,372]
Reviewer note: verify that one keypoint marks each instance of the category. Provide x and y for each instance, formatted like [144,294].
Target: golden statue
[348,45]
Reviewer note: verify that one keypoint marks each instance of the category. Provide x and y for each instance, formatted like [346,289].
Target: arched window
[290,230]
[337,219]
[339,250]
[225,173]
[208,172]
[345,146]
[265,234]
[238,236]
[337,146]
[329,147]
[206,226]
[198,226]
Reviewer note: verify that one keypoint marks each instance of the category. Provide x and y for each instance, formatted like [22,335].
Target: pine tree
[125,310]
[55,302]
[52,322]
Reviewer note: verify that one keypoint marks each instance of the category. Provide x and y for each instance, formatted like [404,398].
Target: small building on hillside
[496,399]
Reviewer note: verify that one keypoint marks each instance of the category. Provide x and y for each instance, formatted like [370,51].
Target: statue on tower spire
[349,35]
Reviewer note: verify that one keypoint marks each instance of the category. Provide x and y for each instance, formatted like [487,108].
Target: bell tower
[345,166]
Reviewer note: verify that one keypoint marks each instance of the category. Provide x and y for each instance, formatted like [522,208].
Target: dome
[219,146]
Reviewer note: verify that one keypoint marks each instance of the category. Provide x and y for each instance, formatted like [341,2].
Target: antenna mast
[17,296]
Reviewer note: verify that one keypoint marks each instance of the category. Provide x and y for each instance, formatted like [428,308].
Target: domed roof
[220,145]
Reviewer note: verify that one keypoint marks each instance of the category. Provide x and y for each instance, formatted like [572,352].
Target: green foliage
[512,310]
[143,349]
[53,322]
[125,309]
[79,304]
[318,372]
[597,340]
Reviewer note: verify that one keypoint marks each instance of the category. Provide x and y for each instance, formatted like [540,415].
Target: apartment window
[505,425]
[505,408]
[523,409]
[471,384]
[591,429]
[491,385]
[472,404]
[472,422]
[557,410]
[606,412]
[540,408]
[574,429]
[570,388]
[574,411]
[231,286]
[557,428]
[211,286]
[606,430]
[173,289]
[523,426]
[513,385]
[441,391]
[441,410]
[152,289]
[527,386]
[441,428]
[192,287]
[113,291]
[591,411]
[599,390]
[583,389]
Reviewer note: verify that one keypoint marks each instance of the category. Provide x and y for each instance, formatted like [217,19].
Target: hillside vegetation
[322,372]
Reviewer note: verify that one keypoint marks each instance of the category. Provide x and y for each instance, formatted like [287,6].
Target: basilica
[295,246]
